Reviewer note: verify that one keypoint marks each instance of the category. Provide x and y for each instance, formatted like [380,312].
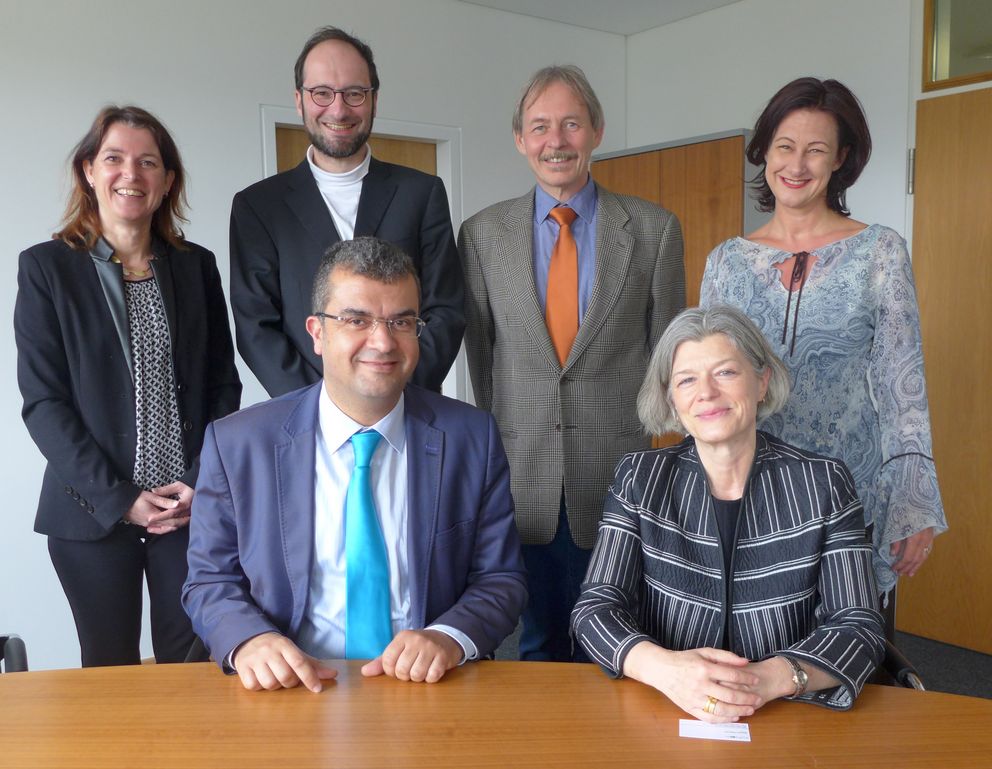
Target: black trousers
[554,574]
[102,580]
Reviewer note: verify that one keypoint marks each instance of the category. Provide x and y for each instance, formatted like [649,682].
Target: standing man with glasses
[361,517]
[567,290]
[282,225]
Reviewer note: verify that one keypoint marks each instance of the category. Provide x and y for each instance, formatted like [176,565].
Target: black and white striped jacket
[802,579]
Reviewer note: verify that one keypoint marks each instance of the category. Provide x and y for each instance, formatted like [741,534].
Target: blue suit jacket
[252,529]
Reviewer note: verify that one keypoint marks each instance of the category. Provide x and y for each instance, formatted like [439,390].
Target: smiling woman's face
[128,177]
[715,391]
[802,157]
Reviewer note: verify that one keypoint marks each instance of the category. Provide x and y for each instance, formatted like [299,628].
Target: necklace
[134,273]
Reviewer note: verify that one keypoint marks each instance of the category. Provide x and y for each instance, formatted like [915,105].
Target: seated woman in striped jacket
[731,569]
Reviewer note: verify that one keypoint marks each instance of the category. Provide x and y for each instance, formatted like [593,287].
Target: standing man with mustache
[282,225]
[567,290]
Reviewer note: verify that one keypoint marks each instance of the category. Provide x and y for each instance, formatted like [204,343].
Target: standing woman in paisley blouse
[124,355]
[836,299]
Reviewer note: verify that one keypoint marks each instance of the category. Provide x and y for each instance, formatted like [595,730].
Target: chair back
[13,655]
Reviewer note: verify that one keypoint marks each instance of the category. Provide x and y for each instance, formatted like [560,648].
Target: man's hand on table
[417,655]
[272,661]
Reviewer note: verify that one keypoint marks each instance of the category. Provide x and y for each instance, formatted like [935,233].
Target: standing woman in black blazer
[124,356]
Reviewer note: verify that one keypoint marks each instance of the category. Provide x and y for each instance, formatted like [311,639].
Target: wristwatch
[799,677]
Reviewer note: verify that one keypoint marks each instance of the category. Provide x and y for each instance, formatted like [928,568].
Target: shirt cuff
[469,649]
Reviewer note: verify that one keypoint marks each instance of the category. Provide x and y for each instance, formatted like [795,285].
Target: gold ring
[710,706]
[927,549]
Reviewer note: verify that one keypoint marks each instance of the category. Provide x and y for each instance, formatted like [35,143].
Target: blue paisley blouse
[858,388]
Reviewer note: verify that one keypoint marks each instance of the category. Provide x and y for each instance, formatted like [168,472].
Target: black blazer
[74,370]
[280,228]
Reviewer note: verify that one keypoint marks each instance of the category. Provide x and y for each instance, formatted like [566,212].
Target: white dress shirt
[322,632]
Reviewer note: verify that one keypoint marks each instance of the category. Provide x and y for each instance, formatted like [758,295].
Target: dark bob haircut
[827,96]
[324,34]
[81,222]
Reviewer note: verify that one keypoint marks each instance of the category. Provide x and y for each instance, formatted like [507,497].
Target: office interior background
[448,68]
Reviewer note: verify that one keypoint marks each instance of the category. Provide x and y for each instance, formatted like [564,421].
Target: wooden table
[488,714]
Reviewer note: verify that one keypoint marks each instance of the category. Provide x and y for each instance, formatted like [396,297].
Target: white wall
[204,68]
[716,71]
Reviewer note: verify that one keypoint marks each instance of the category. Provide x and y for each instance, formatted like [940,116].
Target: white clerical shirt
[341,192]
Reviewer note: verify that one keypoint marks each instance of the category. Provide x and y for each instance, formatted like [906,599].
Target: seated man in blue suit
[360,517]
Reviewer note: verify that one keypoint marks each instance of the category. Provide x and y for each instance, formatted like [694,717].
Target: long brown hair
[81,221]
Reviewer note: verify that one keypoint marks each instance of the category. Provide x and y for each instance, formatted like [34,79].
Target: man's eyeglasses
[323,96]
[405,325]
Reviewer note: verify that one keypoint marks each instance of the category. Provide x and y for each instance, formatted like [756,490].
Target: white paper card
[700,730]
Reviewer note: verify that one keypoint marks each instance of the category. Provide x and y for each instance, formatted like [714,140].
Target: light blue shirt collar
[582,202]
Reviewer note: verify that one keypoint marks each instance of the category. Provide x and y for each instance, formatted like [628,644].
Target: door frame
[448,140]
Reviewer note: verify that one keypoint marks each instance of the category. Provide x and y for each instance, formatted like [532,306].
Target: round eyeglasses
[405,325]
[323,95]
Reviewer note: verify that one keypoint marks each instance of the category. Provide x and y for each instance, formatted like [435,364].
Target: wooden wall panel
[291,146]
[702,184]
[714,203]
[631,175]
[950,599]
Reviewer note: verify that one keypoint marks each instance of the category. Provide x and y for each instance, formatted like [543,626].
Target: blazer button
[187,425]
[180,388]
[75,495]
[68,489]
[89,509]
[82,503]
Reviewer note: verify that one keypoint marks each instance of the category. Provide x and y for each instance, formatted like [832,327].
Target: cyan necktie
[369,628]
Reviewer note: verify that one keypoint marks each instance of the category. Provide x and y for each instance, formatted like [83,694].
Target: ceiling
[622,17]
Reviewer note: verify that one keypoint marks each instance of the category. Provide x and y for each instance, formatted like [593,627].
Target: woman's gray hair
[654,401]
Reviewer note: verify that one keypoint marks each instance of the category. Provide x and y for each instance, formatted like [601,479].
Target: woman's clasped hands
[162,510]
[712,685]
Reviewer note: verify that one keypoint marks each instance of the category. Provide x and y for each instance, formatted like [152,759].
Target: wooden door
[950,599]
[292,142]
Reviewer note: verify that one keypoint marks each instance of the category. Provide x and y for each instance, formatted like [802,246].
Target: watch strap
[799,677]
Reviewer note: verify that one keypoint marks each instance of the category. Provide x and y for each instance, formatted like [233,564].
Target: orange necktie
[562,302]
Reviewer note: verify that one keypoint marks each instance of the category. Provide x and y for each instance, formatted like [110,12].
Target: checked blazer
[567,426]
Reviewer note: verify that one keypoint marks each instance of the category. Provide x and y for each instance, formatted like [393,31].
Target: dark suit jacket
[567,425]
[280,228]
[251,535]
[74,370]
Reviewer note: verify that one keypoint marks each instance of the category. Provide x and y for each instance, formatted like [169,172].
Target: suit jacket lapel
[424,451]
[162,267]
[307,204]
[514,249]
[295,462]
[614,249]
[112,283]
[378,189]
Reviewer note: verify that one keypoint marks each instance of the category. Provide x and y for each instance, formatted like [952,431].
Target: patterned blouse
[858,388]
[159,458]
[800,582]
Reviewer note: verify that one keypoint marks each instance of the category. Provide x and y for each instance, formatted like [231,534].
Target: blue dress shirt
[583,230]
